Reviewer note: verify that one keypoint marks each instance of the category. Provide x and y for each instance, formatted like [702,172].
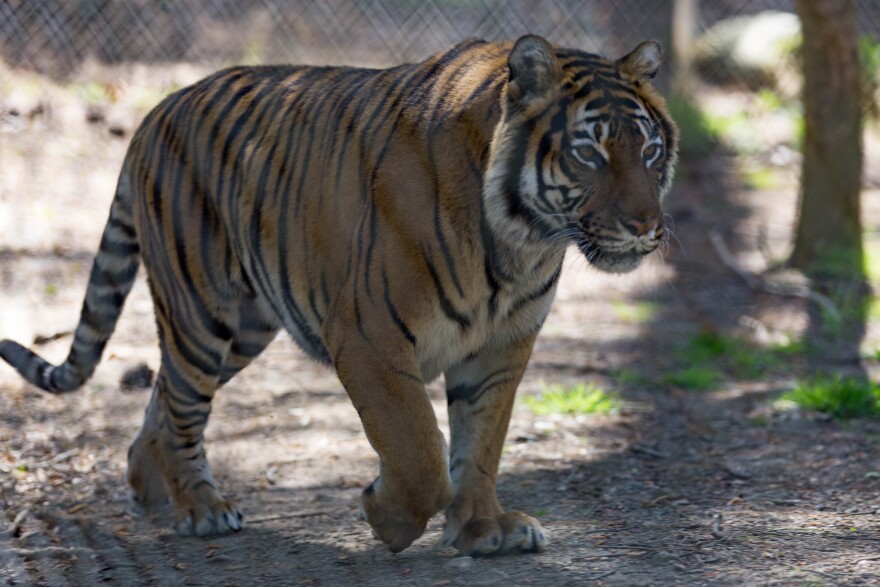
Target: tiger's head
[584,152]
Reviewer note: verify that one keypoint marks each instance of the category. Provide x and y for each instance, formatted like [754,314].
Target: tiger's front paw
[396,520]
[505,533]
[222,517]
[391,523]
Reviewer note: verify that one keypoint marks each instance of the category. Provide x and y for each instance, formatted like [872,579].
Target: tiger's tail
[113,273]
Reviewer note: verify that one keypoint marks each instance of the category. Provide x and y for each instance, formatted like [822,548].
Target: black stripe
[472,393]
[371,243]
[113,299]
[236,127]
[260,273]
[445,304]
[314,115]
[359,322]
[537,294]
[247,350]
[123,227]
[395,317]
[215,327]
[516,208]
[409,376]
[411,92]
[266,108]
[178,385]
[364,93]
[115,248]
[313,341]
[218,96]
[485,86]
[348,86]
[313,305]
[184,347]
[491,264]
[116,279]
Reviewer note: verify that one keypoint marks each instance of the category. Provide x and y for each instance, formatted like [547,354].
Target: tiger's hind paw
[506,533]
[145,476]
[208,520]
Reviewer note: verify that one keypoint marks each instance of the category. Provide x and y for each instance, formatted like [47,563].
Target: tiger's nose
[652,228]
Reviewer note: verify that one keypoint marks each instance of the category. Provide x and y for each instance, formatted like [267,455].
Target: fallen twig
[831,576]
[39,339]
[637,448]
[15,529]
[286,516]
[759,283]
[715,528]
[49,551]
[602,575]
[606,530]
[633,546]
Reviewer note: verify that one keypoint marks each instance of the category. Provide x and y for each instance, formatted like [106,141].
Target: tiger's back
[400,224]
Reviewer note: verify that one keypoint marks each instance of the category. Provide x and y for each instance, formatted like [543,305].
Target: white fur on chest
[447,343]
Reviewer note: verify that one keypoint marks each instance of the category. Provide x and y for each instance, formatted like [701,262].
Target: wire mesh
[54,37]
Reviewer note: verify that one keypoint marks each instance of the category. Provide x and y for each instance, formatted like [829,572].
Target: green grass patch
[869,58]
[761,178]
[707,346]
[872,261]
[836,396]
[638,312]
[874,308]
[584,398]
[708,357]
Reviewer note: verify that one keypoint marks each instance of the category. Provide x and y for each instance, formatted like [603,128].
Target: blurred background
[733,377]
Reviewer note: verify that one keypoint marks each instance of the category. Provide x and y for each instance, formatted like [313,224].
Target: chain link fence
[54,36]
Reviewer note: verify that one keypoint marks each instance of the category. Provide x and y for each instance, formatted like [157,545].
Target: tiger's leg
[168,455]
[384,384]
[481,392]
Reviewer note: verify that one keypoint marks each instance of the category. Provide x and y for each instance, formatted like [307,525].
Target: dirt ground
[718,487]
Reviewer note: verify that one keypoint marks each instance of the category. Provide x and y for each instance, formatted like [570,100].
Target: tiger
[399,224]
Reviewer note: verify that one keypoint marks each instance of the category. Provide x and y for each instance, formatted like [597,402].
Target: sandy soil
[718,487]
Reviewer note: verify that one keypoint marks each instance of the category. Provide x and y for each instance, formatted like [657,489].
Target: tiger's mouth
[613,260]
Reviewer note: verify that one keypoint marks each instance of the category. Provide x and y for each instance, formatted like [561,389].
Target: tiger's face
[584,153]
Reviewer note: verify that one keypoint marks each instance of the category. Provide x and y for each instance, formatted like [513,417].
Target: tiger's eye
[588,155]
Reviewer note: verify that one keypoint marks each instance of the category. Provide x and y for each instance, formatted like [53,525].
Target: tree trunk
[684,32]
[828,242]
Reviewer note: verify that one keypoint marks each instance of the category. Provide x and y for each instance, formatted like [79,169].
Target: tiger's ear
[534,70]
[642,63]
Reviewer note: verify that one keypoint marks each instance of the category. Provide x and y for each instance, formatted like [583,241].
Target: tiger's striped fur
[399,224]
